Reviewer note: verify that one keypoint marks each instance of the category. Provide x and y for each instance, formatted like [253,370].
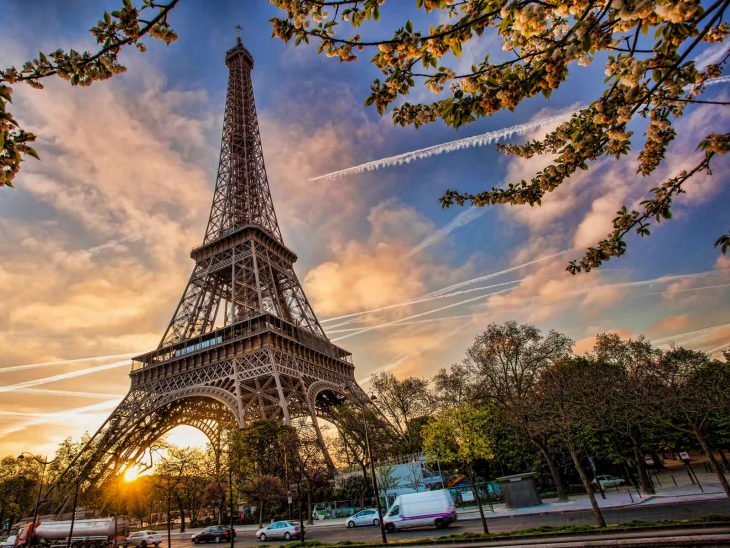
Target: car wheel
[351,524]
[376,522]
[143,544]
[262,538]
[287,536]
[390,528]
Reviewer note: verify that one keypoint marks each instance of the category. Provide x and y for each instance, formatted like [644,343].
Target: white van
[419,509]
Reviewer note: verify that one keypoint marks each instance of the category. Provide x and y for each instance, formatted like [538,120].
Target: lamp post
[73,511]
[43,463]
[230,494]
[361,402]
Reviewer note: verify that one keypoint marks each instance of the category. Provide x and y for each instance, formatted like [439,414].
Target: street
[655,512]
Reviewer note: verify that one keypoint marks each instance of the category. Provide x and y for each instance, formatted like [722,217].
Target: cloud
[375,272]
[669,323]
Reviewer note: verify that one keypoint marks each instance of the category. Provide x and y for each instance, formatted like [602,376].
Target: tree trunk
[479,501]
[182,515]
[557,480]
[724,460]
[713,461]
[261,514]
[586,485]
[310,519]
[644,484]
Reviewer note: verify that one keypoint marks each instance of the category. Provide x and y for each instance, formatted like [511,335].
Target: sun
[131,474]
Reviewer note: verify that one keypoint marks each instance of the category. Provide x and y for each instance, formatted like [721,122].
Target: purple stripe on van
[442,515]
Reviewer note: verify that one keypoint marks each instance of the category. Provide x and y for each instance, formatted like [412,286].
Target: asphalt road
[651,512]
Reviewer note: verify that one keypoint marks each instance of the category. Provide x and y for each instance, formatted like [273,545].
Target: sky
[95,237]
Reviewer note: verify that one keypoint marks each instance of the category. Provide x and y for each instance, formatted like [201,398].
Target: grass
[546,531]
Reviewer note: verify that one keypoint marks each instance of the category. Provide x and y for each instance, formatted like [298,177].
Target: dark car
[214,533]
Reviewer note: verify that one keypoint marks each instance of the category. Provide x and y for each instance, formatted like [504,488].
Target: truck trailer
[87,533]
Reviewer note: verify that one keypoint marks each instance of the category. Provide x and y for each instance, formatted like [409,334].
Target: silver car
[142,539]
[286,530]
[368,516]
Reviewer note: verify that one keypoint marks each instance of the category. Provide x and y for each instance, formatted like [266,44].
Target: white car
[279,529]
[368,516]
[142,539]
[609,481]
[8,542]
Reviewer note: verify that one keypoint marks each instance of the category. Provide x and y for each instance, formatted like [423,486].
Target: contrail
[426,313]
[463,218]
[703,331]
[43,418]
[62,362]
[420,350]
[449,289]
[74,393]
[62,376]
[414,301]
[575,293]
[111,243]
[495,274]
[460,144]
[451,146]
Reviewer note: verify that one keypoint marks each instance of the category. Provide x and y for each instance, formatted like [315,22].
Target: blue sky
[96,235]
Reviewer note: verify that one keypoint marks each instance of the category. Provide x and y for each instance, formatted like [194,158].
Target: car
[421,509]
[280,529]
[143,539]
[213,533]
[608,481]
[368,516]
[8,542]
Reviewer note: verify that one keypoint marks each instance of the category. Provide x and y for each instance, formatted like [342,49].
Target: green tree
[646,48]
[627,394]
[694,391]
[508,360]
[458,436]
[562,393]
[18,487]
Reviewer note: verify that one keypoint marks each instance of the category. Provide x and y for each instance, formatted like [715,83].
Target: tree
[181,472]
[562,393]
[508,360]
[627,394]
[457,436]
[455,385]
[262,490]
[18,486]
[694,390]
[403,403]
[650,77]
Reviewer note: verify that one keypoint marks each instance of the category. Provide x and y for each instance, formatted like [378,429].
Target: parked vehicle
[419,509]
[608,481]
[8,542]
[214,533]
[368,516]
[90,533]
[142,539]
[286,530]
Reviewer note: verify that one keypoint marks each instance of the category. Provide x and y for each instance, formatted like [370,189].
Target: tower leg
[320,440]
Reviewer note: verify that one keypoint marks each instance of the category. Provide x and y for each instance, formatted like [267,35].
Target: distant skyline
[95,237]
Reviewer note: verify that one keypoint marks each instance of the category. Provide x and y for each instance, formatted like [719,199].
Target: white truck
[87,533]
[421,509]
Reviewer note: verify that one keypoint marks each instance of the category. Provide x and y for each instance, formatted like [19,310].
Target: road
[651,512]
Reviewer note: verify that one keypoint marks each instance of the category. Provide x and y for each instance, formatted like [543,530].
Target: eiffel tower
[243,342]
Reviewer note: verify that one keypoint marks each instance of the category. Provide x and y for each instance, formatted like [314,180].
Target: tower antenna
[238,34]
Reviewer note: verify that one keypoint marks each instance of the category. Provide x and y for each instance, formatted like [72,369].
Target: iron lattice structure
[244,342]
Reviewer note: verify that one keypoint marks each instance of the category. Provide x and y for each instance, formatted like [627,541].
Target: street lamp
[44,463]
[361,402]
